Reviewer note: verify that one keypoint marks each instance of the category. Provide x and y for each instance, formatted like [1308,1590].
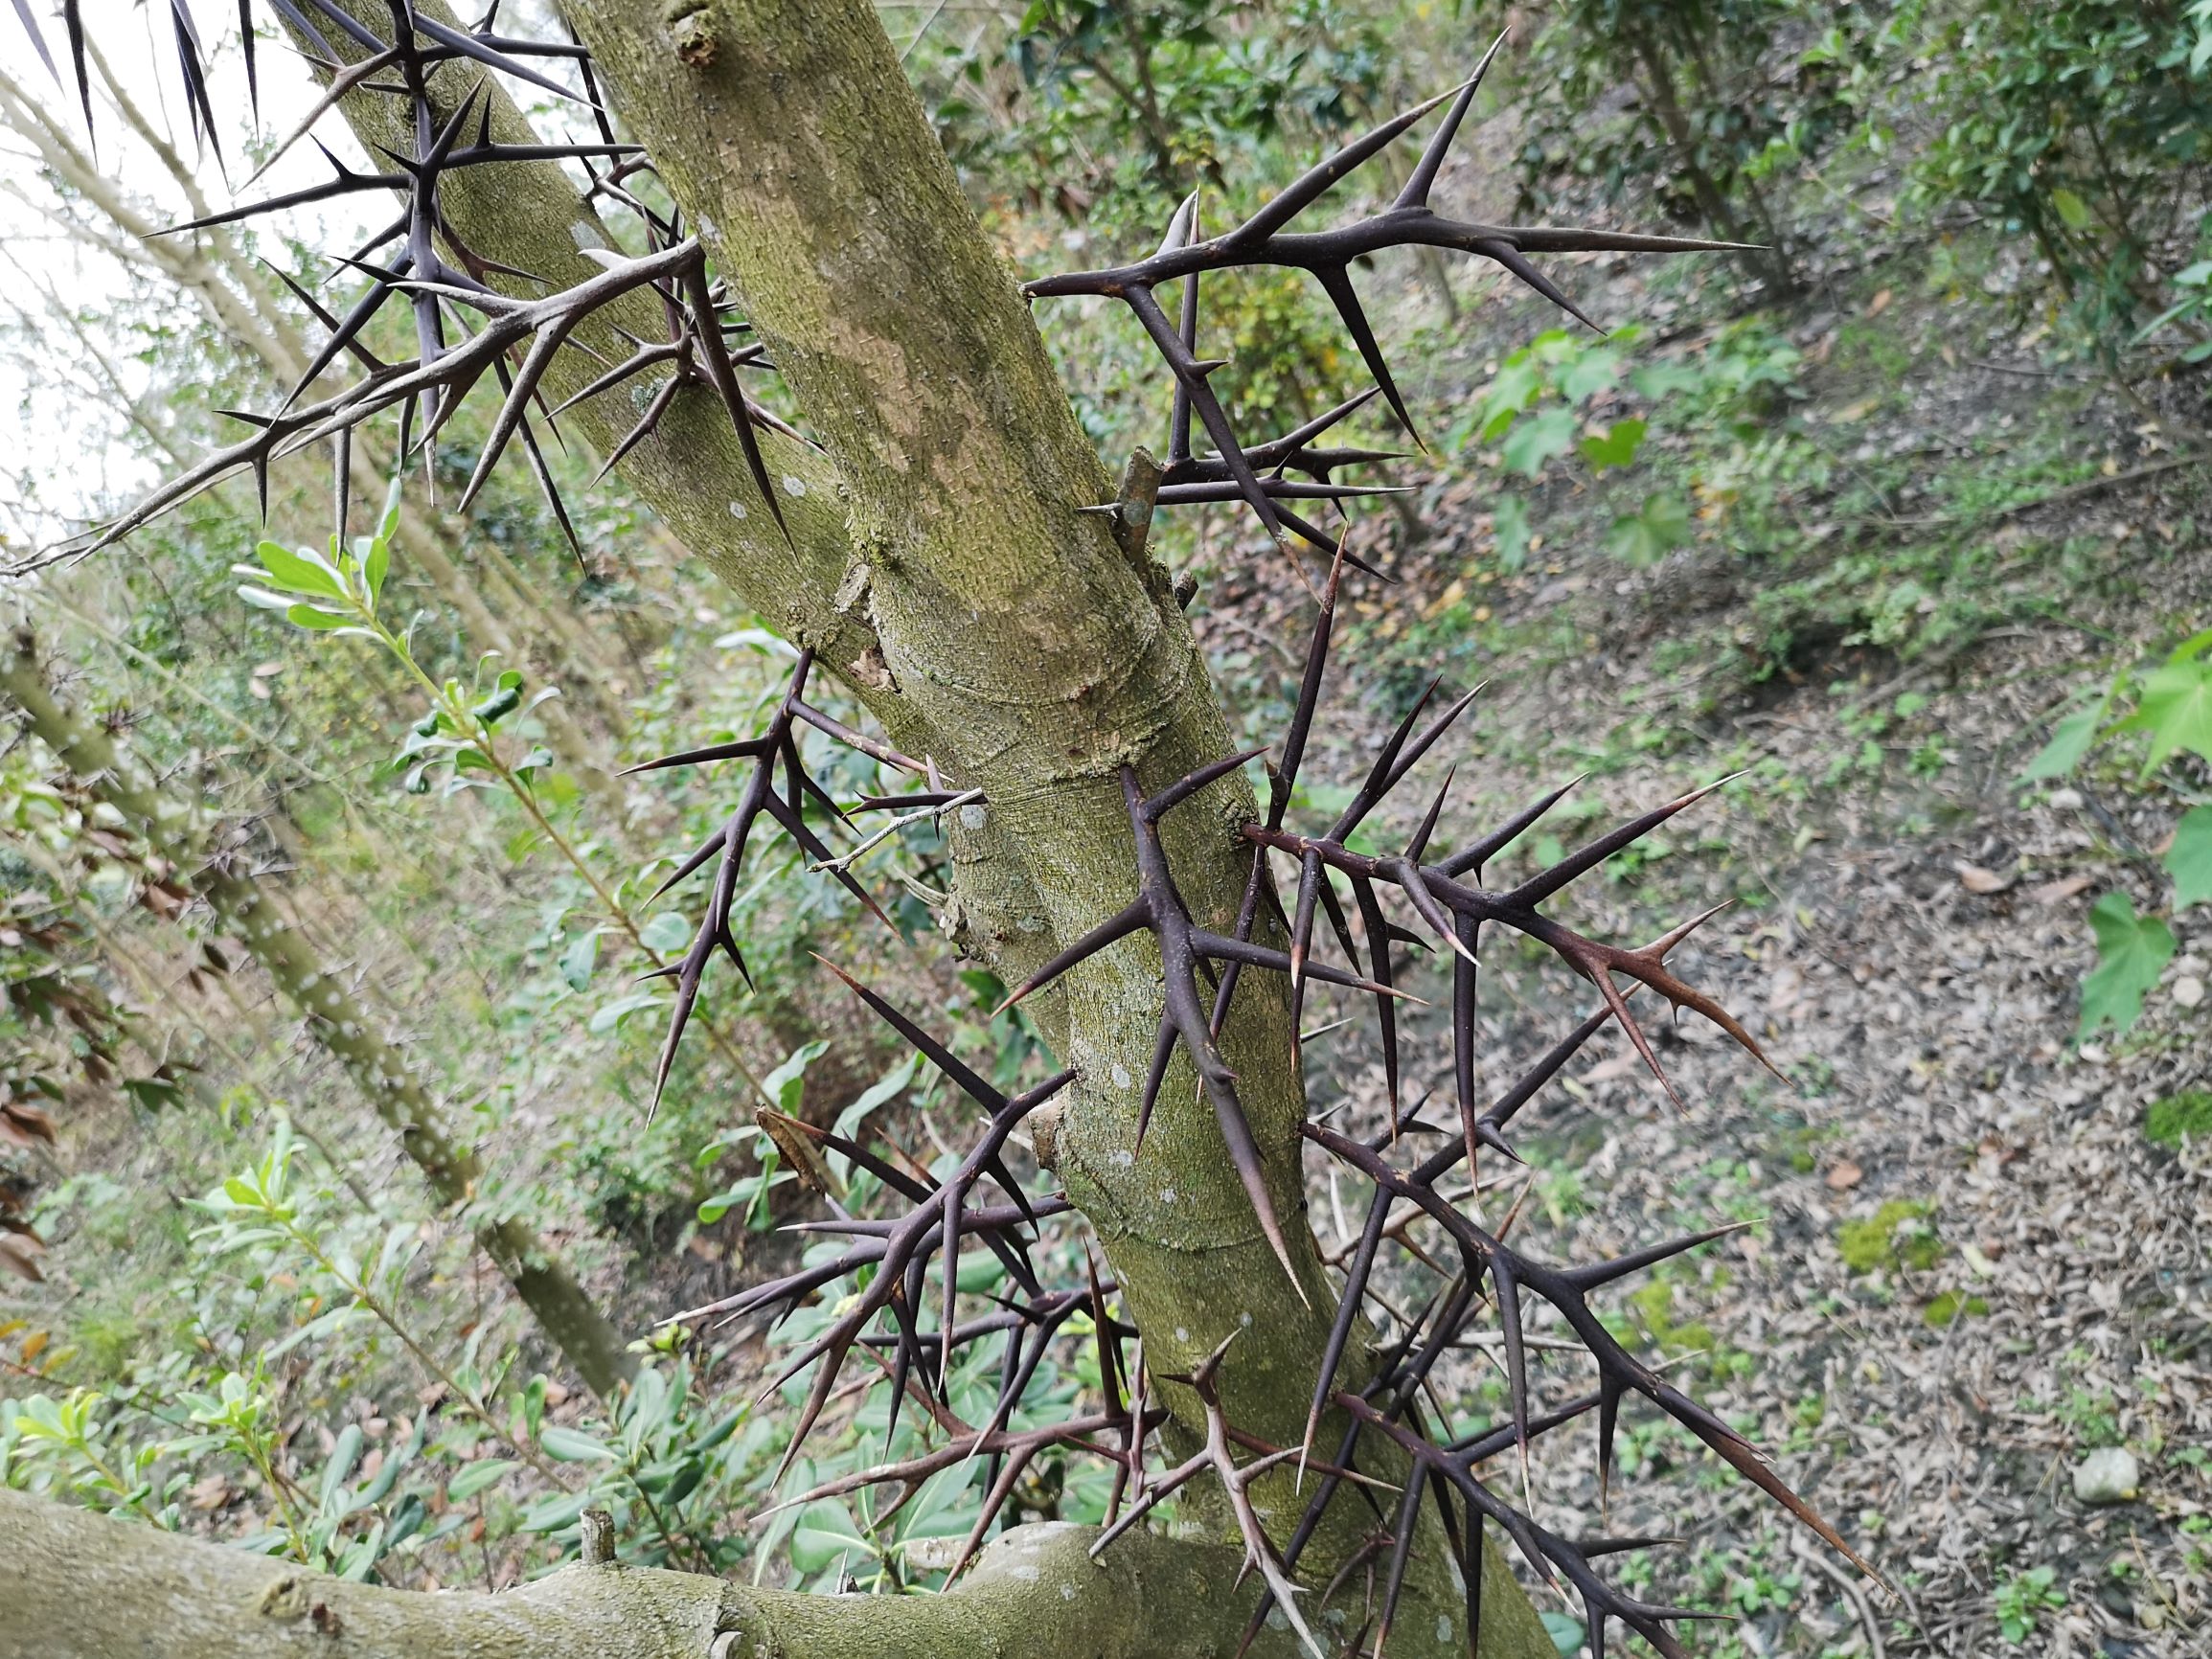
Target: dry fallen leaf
[1844,1176]
[19,1254]
[2065,888]
[1975,879]
[21,1123]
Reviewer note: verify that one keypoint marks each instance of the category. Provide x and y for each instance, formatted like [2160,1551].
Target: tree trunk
[338,1020]
[1769,264]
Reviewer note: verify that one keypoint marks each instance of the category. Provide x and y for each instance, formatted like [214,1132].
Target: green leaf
[1511,390]
[579,960]
[1617,447]
[320,1326]
[2071,740]
[476,1476]
[1647,535]
[294,572]
[388,521]
[340,1469]
[569,1445]
[551,1515]
[2131,952]
[886,1088]
[2072,210]
[825,1532]
[2175,707]
[261,597]
[1656,380]
[1595,371]
[786,1084]
[668,931]
[1533,443]
[1509,521]
[2189,860]
[620,1010]
[1567,1634]
[321,621]
[378,567]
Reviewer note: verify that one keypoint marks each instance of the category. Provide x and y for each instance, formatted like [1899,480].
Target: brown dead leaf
[1879,303]
[21,1123]
[2059,891]
[799,1150]
[19,1254]
[1844,1176]
[1975,879]
[35,1345]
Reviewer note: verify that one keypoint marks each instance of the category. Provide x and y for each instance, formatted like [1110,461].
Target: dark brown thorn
[1355,1275]
[1474,857]
[1418,846]
[1545,883]
[1183,788]
[1163,1050]
[1111,931]
[934,1052]
[1310,186]
[1415,194]
[1505,254]
[1336,282]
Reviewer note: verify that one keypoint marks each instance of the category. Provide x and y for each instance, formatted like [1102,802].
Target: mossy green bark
[83,1586]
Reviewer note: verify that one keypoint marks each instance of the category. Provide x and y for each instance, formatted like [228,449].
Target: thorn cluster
[777,746]
[463,329]
[1256,474]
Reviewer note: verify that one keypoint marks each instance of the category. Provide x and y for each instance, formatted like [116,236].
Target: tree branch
[86,1587]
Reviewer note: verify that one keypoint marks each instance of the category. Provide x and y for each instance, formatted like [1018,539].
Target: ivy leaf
[2176,705]
[2189,860]
[1595,371]
[2131,952]
[2071,740]
[1533,443]
[1511,390]
[1617,447]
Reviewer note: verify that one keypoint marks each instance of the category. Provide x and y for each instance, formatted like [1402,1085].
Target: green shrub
[2083,126]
